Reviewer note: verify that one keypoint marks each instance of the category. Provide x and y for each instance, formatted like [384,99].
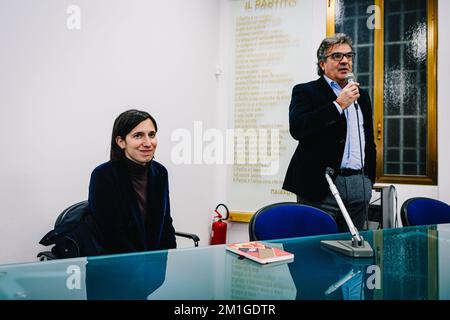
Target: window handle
[379,130]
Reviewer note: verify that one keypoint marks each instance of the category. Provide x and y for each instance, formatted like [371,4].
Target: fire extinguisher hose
[220,215]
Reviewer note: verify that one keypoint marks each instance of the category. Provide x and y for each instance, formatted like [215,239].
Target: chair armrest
[46,255]
[191,236]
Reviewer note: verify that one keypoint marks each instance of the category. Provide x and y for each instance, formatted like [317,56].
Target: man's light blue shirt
[352,156]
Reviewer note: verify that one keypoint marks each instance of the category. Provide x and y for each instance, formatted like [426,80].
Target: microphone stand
[366,214]
[352,273]
[357,247]
[351,79]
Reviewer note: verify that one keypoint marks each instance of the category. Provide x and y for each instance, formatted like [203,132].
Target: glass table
[408,263]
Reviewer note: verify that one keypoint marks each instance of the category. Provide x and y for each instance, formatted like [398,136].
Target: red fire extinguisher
[219,227]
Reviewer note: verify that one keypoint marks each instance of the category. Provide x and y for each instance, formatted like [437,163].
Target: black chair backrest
[74,213]
[75,233]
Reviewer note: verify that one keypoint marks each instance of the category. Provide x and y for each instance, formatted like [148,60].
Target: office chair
[288,220]
[79,223]
[422,211]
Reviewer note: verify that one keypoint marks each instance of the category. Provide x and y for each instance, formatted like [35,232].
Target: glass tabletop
[408,263]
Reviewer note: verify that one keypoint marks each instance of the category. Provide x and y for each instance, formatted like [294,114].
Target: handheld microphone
[350,78]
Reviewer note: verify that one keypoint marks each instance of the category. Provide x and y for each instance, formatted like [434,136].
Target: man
[323,117]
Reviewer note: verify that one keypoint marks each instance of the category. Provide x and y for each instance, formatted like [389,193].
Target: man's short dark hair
[327,44]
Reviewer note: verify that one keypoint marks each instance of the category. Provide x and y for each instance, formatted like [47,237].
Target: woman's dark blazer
[114,207]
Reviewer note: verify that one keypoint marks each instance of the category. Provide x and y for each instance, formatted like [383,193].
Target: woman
[129,195]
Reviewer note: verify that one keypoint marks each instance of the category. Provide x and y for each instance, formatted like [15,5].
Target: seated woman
[129,195]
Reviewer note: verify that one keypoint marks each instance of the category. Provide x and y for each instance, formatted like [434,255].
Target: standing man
[323,117]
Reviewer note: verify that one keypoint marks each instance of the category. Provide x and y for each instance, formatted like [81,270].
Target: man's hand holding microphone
[350,93]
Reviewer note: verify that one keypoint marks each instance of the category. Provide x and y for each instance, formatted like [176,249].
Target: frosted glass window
[351,19]
[405,97]
[405,94]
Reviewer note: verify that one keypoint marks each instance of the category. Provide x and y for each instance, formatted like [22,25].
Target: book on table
[260,252]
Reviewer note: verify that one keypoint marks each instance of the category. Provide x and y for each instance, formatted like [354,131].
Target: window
[395,41]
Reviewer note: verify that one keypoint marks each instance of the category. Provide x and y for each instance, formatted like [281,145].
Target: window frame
[378,93]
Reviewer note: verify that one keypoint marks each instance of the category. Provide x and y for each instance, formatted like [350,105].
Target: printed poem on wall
[267,39]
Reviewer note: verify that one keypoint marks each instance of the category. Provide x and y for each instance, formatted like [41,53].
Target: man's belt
[349,172]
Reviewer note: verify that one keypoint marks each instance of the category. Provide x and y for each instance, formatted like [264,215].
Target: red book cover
[260,252]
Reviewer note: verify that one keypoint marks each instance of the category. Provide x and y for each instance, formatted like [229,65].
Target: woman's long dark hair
[123,125]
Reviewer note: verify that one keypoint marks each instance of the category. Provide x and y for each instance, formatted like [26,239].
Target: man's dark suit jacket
[321,132]
[114,207]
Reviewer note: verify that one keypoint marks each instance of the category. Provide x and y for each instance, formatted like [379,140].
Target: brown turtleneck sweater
[139,180]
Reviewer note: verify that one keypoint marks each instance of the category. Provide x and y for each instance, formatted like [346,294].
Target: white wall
[443,101]
[60,91]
